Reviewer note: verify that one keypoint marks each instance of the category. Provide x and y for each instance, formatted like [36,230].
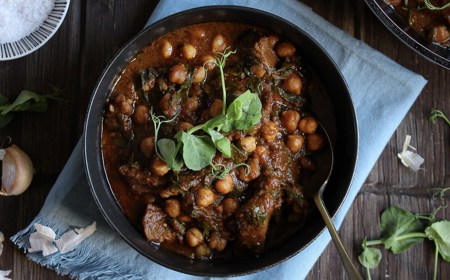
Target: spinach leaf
[198,151]
[221,142]
[243,113]
[397,229]
[440,233]
[169,151]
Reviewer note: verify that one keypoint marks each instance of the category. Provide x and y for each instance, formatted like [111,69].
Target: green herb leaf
[243,113]
[397,229]
[198,151]
[169,152]
[440,233]
[221,142]
[26,101]
[370,257]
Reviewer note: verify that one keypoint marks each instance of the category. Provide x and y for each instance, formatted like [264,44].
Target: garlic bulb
[17,171]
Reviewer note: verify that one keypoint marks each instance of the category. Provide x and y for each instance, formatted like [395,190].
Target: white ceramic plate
[39,37]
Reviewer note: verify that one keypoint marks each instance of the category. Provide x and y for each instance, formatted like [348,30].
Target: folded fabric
[382,92]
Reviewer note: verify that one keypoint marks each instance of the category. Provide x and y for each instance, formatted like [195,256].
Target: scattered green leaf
[440,233]
[198,151]
[435,114]
[398,228]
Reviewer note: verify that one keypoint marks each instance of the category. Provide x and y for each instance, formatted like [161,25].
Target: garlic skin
[17,171]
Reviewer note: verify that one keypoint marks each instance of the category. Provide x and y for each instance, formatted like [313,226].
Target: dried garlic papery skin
[2,238]
[409,157]
[42,240]
[71,239]
[4,273]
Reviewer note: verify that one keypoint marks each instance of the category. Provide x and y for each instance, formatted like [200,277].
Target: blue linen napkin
[382,92]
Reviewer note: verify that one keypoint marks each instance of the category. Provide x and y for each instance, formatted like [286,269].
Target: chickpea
[202,251]
[230,205]
[248,143]
[178,74]
[217,242]
[219,43]
[194,237]
[269,130]
[258,70]
[183,126]
[147,146]
[188,51]
[166,49]
[314,142]
[293,84]
[141,114]
[159,167]
[164,102]
[224,185]
[262,153]
[295,143]
[254,171]
[199,75]
[289,120]
[208,62]
[172,207]
[198,33]
[190,104]
[308,125]
[307,163]
[205,197]
[285,49]
[216,108]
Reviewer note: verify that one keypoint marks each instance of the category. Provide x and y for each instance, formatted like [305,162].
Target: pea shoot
[435,8]
[401,229]
[197,151]
[435,114]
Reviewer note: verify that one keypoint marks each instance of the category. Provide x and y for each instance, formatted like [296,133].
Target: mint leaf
[221,142]
[169,152]
[397,228]
[440,233]
[198,151]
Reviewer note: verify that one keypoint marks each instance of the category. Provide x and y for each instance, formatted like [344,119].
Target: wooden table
[92,33]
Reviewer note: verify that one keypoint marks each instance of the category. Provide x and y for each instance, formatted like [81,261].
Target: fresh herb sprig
[197,151]
[401,229]
[435,114]
[26,101]
[435,8]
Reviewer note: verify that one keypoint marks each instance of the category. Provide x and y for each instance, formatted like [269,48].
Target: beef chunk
[155,226]
[141,181]
[253,218]
[264,51]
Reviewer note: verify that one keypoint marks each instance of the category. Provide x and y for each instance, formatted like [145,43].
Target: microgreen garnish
[197,151]
[435,114]
[220,170]
[401,229]
[433,7]
[27,101]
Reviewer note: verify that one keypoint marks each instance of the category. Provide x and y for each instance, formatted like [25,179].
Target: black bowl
[340,122]
[401,29]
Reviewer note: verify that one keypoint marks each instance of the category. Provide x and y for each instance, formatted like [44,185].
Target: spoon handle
[350,269]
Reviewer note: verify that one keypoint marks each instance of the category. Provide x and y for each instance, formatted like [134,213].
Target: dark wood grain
[94,31]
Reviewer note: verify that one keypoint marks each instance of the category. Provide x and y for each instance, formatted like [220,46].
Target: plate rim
[407,35]
[49,22]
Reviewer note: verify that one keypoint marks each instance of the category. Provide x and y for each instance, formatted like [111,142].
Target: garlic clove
[17,171]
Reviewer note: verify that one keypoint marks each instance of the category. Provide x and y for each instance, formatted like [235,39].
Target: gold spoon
[325,158]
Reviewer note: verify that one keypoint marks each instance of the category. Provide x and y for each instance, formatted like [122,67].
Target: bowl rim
[91,128]
[400,28]
[39,37]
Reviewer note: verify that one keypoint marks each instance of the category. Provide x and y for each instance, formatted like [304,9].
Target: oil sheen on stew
[236,202]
